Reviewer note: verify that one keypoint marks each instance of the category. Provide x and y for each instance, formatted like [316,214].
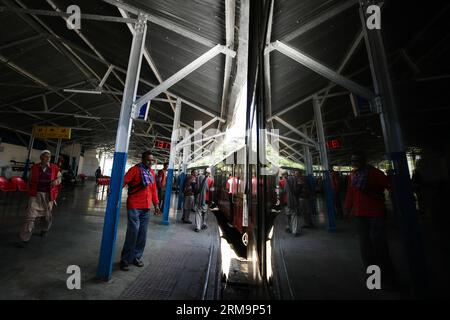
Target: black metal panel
[203,17]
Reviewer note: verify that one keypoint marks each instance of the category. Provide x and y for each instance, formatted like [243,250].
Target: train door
[258,193]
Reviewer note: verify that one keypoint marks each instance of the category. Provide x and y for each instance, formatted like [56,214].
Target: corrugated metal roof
[169,50]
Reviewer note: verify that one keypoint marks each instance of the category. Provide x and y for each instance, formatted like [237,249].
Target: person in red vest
[209,194]
[142,193]
[161,185]
[44,185]
[365,200]
[282,193]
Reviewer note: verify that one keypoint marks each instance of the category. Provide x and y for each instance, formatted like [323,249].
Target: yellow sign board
[51,132]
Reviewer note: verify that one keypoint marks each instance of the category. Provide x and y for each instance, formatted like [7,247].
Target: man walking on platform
[44,186]
[201,195]
[161,185]
[365,200]
[190,186]
[292,205]
[142,193]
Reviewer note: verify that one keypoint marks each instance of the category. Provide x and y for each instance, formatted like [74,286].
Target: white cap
[208,170]
[45,151]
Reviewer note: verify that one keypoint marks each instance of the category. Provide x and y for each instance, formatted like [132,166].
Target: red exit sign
[334,144]
[162,144]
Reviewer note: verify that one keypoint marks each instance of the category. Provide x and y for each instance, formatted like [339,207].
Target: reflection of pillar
[27,161]
[310,176]
[113,206]
[182,174]
[104,162]
[402,196]
[72,161]
[58,150]
[169,181]
[325,167]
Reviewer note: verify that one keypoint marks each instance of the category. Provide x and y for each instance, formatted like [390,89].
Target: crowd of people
[364,190]
[364,199]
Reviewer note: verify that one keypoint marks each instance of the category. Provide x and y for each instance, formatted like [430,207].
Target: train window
[240,179]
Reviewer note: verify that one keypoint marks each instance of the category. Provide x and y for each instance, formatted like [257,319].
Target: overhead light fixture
[83,91]
[86,117]
[82,129]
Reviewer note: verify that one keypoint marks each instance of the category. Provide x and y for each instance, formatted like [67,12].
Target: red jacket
[140,197]
[368,203]
[335,181]
[32,191]
[210,182]
[161,179]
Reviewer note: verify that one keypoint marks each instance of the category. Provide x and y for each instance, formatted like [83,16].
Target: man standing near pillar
[161,184]
[190,186]
[201,195]
[44,186]
[365,199]
[292,205]
[304,203]
[336,186]
[142,193]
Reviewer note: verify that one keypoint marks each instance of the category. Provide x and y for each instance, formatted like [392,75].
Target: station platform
[183,265]
[179,263]
[328,266]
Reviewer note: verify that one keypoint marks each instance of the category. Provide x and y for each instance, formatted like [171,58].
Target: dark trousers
[338,204]
[373,244]
[136,236]
[161,197]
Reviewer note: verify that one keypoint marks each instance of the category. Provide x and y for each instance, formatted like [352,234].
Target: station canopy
[51,75]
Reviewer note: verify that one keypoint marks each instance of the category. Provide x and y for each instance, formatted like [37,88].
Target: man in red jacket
[142,193]
[44,185]
[365,200]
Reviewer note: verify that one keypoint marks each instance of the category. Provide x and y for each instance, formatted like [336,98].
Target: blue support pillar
[180,181]
[326,168]
[310,176]
[402,194]
[107,250]
[58,150]
[330,201]
[312,186]
[26,168]
[175,132]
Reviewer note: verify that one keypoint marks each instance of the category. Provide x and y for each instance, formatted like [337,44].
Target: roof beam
[22,41]
[346,60]
[292,140]
[148,58]
[295,130]
[341,7]
[322,70]
[31,77]
[62,48]
[292,149]
[67,15]
[241,58]
[230,21]
[141,79]
[167,24]
[197,63]
[85,40]
[267,79]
